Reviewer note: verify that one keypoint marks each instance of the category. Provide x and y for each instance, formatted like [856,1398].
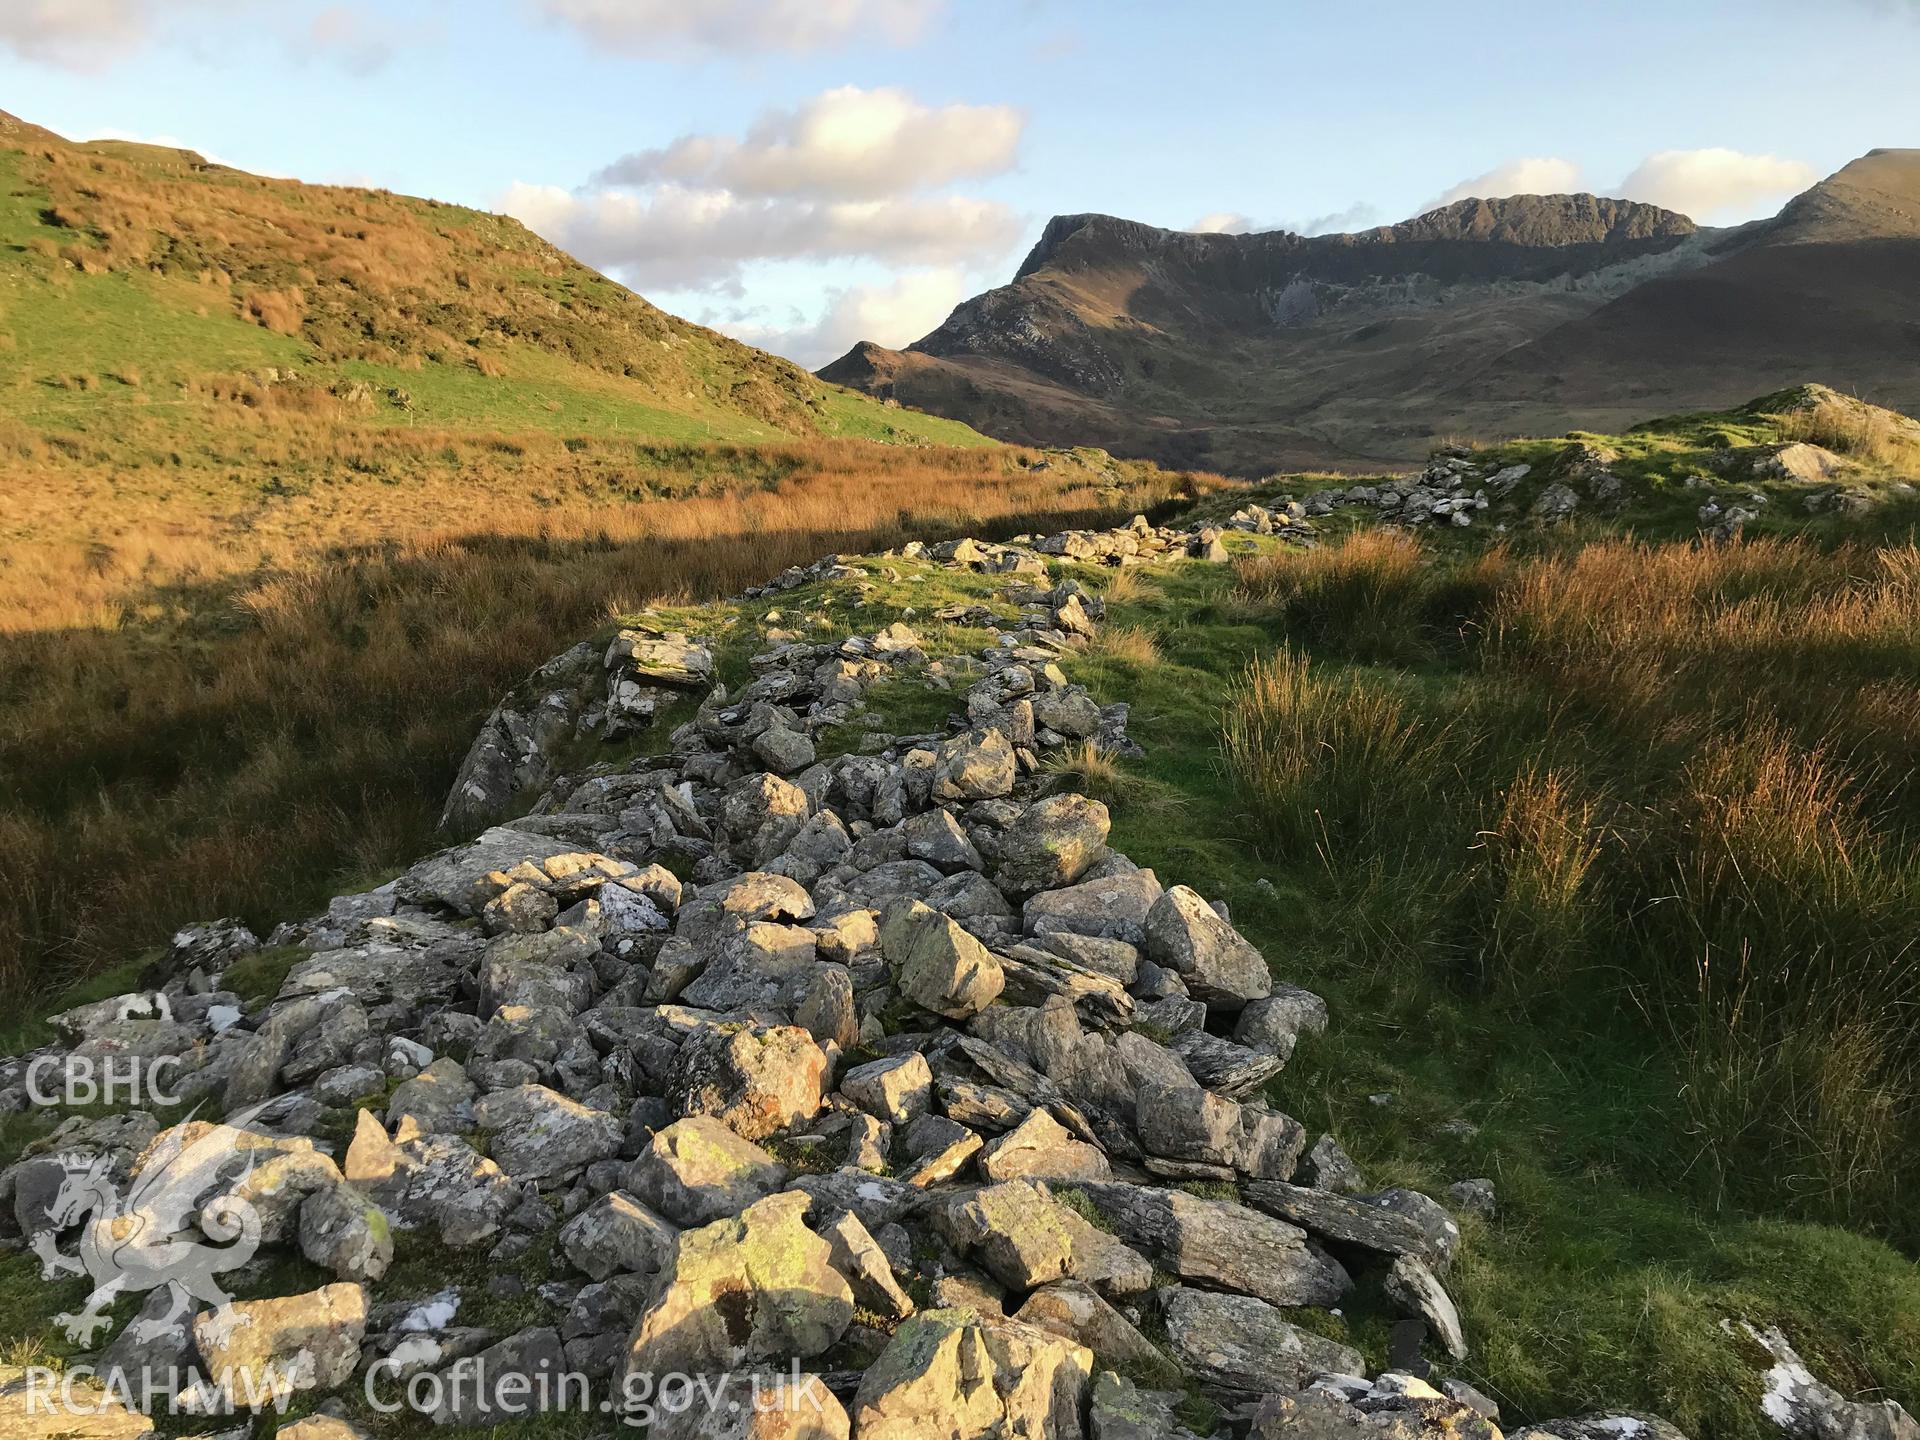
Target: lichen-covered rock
[537,1132]
[764,1406]
[755,1080]
[616,1234]
[1040,1148]
[1416,1291]
[858,1256]
[978,765]
[1015,1230]
[1221,1243]
[697,1170]
[897,1090]
[947,1376]
[256,1348]
[433,1180]
[32,1408]
[514,1380]
[1240,1343]
[1184,935]
[343,1231]
[1074,1310]
[755,1287]
[1189,1123]
[1114,907]
[940,966]
[1052,843]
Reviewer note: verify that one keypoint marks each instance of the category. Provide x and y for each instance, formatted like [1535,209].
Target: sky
[807,173]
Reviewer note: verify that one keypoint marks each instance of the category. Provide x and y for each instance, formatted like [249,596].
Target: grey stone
[1243,1344]
[696,1170]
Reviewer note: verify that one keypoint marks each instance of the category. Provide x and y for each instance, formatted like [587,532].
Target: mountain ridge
[1272,350]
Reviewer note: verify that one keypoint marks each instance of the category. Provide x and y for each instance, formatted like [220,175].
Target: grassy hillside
[149,295]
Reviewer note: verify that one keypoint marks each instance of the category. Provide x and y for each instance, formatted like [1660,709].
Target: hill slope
[1255,352]
[147,295]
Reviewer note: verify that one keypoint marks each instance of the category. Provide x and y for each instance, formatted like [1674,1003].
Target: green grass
[124,260]
[1607,1276]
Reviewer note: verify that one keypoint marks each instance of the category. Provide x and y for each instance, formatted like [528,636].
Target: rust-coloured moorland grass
[232,708]
[1678,777]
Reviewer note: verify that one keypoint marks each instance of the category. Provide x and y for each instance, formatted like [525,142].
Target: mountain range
[1487,317]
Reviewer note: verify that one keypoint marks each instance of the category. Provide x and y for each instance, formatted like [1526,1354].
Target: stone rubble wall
[886,1064]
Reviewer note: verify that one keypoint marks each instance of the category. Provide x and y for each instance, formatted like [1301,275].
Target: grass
[1470,943]
[246,724]
[1665,778]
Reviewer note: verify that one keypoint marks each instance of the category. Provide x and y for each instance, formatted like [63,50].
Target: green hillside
[146,295]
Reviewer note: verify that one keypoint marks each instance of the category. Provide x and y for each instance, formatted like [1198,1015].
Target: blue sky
[808,172]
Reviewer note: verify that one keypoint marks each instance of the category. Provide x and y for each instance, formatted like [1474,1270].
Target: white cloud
[349,38]
[1222,222]
[674,236]
[846,144]
[1230,222]
[893,315]
[76,34]
[1530,175]
[653,27]
[1717,183]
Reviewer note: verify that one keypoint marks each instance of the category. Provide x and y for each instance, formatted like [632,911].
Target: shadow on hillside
[249,747]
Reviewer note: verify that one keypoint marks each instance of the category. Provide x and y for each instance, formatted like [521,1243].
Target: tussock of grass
[1676,778]
[1132,645]
[1849,427]
[1331,764]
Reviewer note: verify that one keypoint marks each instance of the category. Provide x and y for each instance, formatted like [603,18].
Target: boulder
[439,1098]
[1184,934]
[826,1007]
[1416,1291]
[758,1286]
[343,1231]
[946,1375]
[616,1234]
[728,905]
[1014,1230]
[1051,844]
[1344,1219]
[755,1407]
[256,1348]
[978,765]
[754,1080]
[513,1380]
[1074,1310]
[435,1180]
[936,837]
[1239,1343]
[1221,1243]
[697,1170]
[1112,908]
[897,1090]
[1276,1023]
[858,1256]
[1040,1148]
[940,966]
[537,1132]
[1189,1123]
